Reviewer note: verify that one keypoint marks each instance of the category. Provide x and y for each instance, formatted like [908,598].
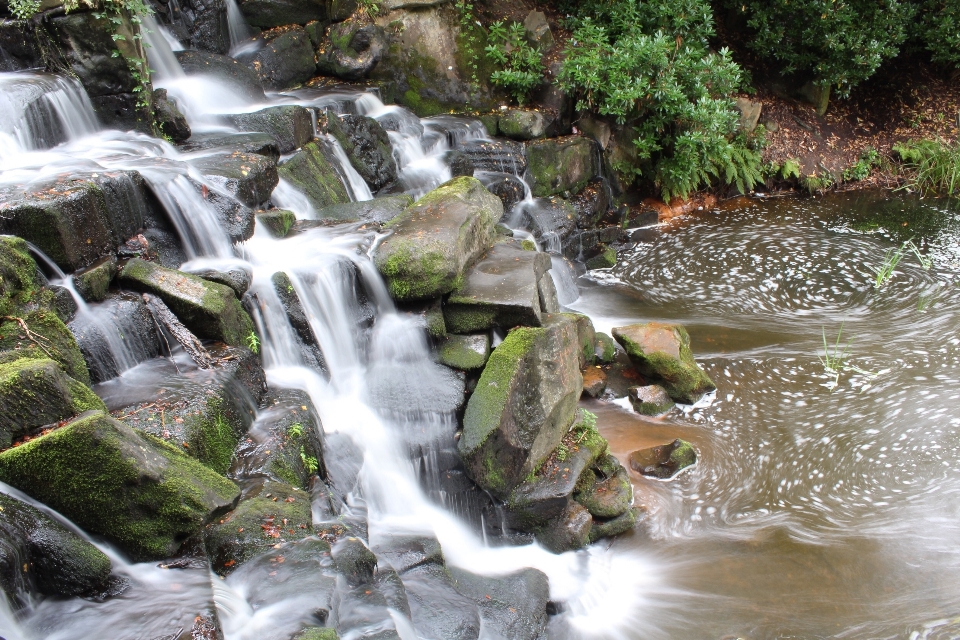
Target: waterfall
[163,63]
[236,26]
[357,187]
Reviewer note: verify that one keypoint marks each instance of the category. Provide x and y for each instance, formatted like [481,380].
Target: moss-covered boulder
[19,278]
[501,290]
[662,352]
[604,260]
[378,210]
[271,514]
[436,239]
[524,124]
[605,489]
[650,400]
[290,125]
[368,147]
[351,49]
[35,393]
[138,492]
[248,177]
[605,348]
[45,336]
[209,309]
[93,283]
[464,352]
[560,165]
[570,530]
[524,403]
[277,221]
[609,527]
[285,58]
[312,170]
[169,119]
[665,460]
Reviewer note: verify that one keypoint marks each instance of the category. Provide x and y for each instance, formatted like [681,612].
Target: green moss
[528,245]
[55,342]
[683,456]
[459,352]
[614,526]
[605,349]
[469,318]
[19,278]
[682,378]
[212,438]
[277,221]
[317,633]
[606,259]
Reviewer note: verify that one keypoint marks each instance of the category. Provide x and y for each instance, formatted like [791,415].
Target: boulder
[208,309]
[551,220]
[168,117]
[460,164]
[464,352]
[93,282]
[605,490]
[354,561]
[290,125]
[511,606]
[662,352]
[270,514]
[591,204]
[523,405]
[549,301]
[229,72]
[501,290]
[277,221]
[312,170]
[199,24]
[48,337]
[20,280]
[605,349]
[664,461]
[651,400]
[378,211]
[604,260]
[263,144]
[509,188]
[437,238]
[570,530]
[594,382]
[749,113]
[248,177]
[351,49]
[586,335]
[368,147]
[267,14]
[437,609]
[35,393]
[237,278]
[137,492]
[607,528]
[560,165]
[538,30]
[285,60]
[502,156]
[523,124]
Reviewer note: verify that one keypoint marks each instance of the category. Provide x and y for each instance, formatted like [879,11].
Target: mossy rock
[379,210]
[367,146]
[560,165]
[53,341]
[651,400]
[605,348]
[290,125]
[604,260]
[19,278]
[35,393]
[274,513]
[248,177]
[464,352]
[586,335]
[289,444]
[209,309]
[606,491]
[569,531]
[313,171]
[607,528]
[138,492]
[93,283]
[277,221]
[436,239]
[662,352]
[523,124]
[664,461]
[317,633]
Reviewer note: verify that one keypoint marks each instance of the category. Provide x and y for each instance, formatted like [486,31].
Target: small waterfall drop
[236,26]
[157,42]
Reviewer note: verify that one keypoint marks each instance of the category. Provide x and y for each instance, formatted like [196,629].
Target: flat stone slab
[465,352]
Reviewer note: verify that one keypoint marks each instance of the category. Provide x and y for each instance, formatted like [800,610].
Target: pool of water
[822,506]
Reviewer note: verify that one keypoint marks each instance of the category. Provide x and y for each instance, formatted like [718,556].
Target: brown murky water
[820,507]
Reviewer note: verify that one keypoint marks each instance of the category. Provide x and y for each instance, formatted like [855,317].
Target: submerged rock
[651,400]
[560,165]
[138,492]
[662,352]
[262,144]
[437,238]
[290,125]
[379,210]
[502,156]
[351,49]
[664,461]
[286,58]
[312,171]
[368,147]
[464,352]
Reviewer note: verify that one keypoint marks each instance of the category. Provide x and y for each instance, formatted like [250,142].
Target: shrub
[938,29]
[521,66]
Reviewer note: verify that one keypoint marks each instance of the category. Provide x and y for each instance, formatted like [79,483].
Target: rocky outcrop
[141,494]
[662,353]
[503,156]
[312,171]
[201,23]
[263,144]
[560,165]
[368,147]
[291,126]
[436,239]
[93,282]
[170,120]
[285,58]
[351,49]
[512,606]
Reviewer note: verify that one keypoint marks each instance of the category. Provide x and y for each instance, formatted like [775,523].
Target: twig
[34,337]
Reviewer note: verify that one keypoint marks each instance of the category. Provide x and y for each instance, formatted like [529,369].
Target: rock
[253,142]
[35,393]
[651,400]
[560,165]
[512,606]
[93,282]
[37,553]
[523,124]
[237,278]
[290,125]
[208,309]
[405,552]
[538,30]
[591,204]
[368,147]
[436,608]
[501,290]
[523,405]
[606,528]
[139,493]
[502,156]
[20,280]
[224,70]
[271,514]
[277,221]
[205,413]
[549,302]
[570,531]
[605,494]
[249,178]
[317,633]
[171,122]
[312,170]
[199,24]
[621,375]
[436,239]
[605,349]
[508,188]
[551,220]
[354,561]
[267,14]
[586,336]
[664,461]
[285,60]
[378,211]
[491,122]
[594,382]
[465,352]
[58,343]
[749,113]
[662,352]
[429,316]
[351,49]
[606,259]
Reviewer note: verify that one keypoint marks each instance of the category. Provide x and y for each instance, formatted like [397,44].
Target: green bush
[938,30]
[521,66]
[666,85]
[932,165]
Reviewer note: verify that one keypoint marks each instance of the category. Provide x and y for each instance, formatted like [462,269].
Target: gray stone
[351,49]
[509,188]
[606,490]
[378,211]
[605,349]
[285,60]
[93,282]
[651,400]
[368,147]
[354,561]
[512,606]
[503,156]
[524,124]
[277,221]
[561,165]
[267,14]
[464,352]
[749,113]
[224,70]
[248,142]
[538,30]
[313,171]
[549,303]
[664,461]
[571,530]
[237,278]
[291,126]
[249,178]
[171,122]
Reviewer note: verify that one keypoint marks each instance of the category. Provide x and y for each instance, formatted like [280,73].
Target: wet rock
[586,336]
[354,561]
[20,280]
[607,528]
[38,554]
[604,260]
[312,171]
[208,309]
[523,405]
[363,611]
[551,220]
[594,382]
[224,70]
[429,316]
[351,49]
[93,282]
[285,60]
[138,492]
[317,633]
[502,156]
[621,376]
[571,530]
[368,147]
[171,122]
[436,608]
[460,164]
[464,352]
[48,338]
[501,290]
[513,606]
[591,204]
[34,393]
[290,125]
[405,552]
[378,211]
[237,278]
[605,491]
[651,400]
[605,348]
[435,240]
[277,221]
[249,178]
[292,306]
[271,514]
[662,352]
[267,14]
[250,142]
[664,461]
[161,245]
[524,124]
[505,186]
[549,302]
[560,165]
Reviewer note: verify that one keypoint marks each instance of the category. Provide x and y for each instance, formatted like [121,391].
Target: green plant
[521,65]
[309,462]
[815,183]
[884,272]
[938,30]
[370,7]
[24,9]
[863,166]
[790,169]
[562,452]
[253,342]
[473,34]
[925,261]
[933,165]
[295,430]
[926,300]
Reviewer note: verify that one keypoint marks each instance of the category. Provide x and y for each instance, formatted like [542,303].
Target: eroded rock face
[312,171]
[664,461]
[143,495]
[351,49]
[368,147]
[560,165]
[662,352]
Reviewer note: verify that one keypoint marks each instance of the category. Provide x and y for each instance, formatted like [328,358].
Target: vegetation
[933,165]
[253,342]
[938,30]
[521,65]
